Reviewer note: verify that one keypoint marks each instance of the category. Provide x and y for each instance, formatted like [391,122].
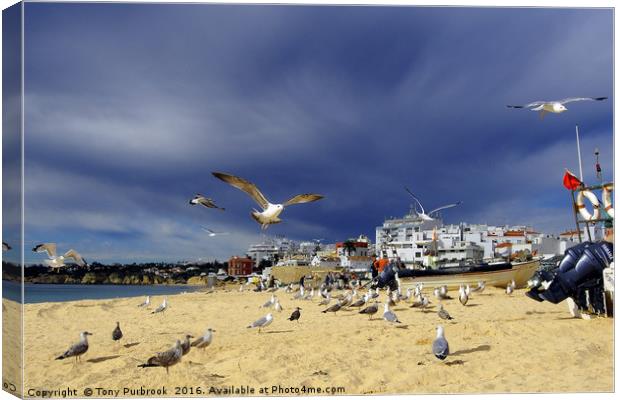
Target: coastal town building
[420,242]
[240,266]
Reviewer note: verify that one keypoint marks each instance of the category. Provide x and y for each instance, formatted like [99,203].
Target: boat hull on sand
[519,272]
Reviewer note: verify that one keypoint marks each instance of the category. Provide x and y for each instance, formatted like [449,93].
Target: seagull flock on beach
[350,299]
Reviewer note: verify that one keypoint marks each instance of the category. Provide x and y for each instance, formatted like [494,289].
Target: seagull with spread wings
[270,212]
[55,261]
[213,233]
[422,214]
[205,201]
[554,106]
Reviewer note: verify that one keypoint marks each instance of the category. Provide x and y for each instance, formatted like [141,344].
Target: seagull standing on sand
[554,106]
[162,307]
[388,315]
[186,344]
[295,315]
[480,287]
[443,314]
[463,297]
[370,310]
[165,359]
[509,289]
[440,345]
[78,349]
[334,308]
[262,322]
[204,201]
[277,306]
[146,302]
[55,261]
[270,212]
[269,302]
[117,334]
[205,340]
[326,300]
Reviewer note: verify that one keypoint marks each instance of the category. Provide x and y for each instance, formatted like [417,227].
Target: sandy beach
[498,343]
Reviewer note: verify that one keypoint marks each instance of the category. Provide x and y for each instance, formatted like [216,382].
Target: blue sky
[129,108]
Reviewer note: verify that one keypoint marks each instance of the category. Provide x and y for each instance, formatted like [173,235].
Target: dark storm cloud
[130,107]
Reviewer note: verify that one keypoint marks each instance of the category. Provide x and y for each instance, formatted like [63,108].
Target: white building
[418,241]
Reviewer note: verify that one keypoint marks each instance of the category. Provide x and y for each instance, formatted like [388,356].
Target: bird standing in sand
[370,310]
[204,201]
[334,308]
[262,322]
[186,344]
[479,288]
[554,106]
[509,289]
[440,345]
[295,315]
[270,212]
[205,340]
[117,334]
[146,302]
[162,307]
[277,306]
[78,349]
[463,297]
[443,314]
[165,359]
[55,261]
[389,315]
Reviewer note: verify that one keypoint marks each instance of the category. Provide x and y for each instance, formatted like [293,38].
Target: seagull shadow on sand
[455,362]
[101,359]
[129,345]
[283,331]
[483,347]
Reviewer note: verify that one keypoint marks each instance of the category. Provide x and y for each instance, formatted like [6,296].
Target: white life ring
[607,189]
[582,208]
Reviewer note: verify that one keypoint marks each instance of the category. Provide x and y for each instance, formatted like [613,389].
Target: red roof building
[240,266]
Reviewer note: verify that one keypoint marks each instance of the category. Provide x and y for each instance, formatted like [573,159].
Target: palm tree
[348,246]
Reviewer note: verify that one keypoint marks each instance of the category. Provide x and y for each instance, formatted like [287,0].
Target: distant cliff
[98,274]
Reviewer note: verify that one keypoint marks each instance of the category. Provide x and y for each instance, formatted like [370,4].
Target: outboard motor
[578,276]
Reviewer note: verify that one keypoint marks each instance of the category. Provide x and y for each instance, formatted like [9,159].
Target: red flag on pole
[571,182]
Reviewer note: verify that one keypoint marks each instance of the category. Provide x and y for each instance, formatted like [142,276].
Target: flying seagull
[5,246]
[422,214]
[55,261]
[78,349]
[165,359]
[270,212]
[204,201]
[554,106]
[213,233]
[205,340]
